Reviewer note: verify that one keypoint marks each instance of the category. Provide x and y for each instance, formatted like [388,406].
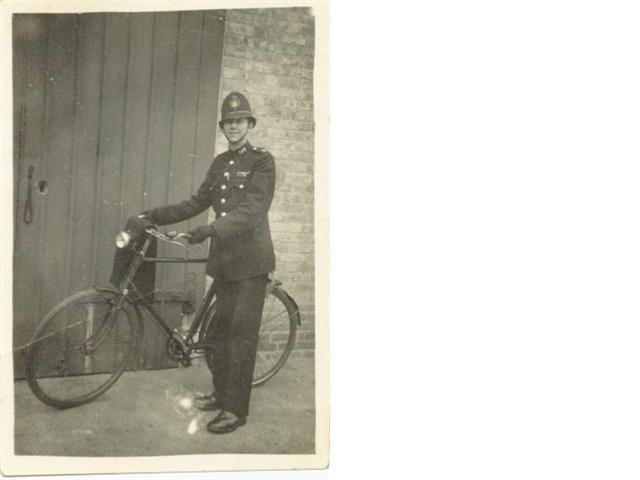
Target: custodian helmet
[236,105]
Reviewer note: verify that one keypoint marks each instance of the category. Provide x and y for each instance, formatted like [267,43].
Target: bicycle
[101,330]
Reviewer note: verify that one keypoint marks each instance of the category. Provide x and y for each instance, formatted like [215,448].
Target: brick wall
[268,55]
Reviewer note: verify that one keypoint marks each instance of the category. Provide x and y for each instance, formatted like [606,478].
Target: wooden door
[113,113]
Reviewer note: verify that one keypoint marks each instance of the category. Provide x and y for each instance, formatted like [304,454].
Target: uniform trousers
[233,336]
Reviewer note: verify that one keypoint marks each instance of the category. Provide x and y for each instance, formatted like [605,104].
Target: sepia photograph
[166,254]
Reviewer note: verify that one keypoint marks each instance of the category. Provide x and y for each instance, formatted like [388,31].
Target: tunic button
[226,174]
[223,214]
[241,186]
[231,162]
[223,187]
[222,200]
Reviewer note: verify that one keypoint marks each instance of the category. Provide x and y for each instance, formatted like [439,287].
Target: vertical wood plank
[146,160]
[161,111]
[58,165]
[110,158]
[73,169]
[136,122]
[58,169]
[209,84]
[99,165]
[86,135]
[20,45]
[124,166]
[194,274]
[21,42]
[111,139]
[27,272]
[183,152]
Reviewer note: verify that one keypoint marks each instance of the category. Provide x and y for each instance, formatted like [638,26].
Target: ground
[141,416]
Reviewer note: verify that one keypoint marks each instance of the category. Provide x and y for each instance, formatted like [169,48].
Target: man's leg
[216,336]
[242,342]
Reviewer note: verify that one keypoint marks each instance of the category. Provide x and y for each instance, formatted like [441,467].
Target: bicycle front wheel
[81,348]
[277,335]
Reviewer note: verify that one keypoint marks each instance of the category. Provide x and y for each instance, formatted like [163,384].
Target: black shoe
[207,402]
[226,422]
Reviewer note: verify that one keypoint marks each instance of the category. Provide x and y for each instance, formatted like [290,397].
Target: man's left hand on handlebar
[200,234]
[138,224]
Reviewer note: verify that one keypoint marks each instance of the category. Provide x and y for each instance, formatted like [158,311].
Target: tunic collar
[242,150]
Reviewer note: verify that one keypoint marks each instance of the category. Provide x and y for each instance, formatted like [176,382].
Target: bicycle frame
[127,286]
[185,340]
[43,361]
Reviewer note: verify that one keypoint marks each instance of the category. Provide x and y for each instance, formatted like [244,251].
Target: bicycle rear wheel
[81,348]
[277,335]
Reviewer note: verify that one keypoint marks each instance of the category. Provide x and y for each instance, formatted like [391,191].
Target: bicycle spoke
[272,303]
[271,319]
[274,327]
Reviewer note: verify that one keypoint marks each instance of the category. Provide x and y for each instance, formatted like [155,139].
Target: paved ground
[140,416]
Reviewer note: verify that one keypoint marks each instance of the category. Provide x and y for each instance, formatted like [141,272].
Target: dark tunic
[239,186]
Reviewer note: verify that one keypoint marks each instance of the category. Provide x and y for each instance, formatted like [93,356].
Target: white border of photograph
[11,464]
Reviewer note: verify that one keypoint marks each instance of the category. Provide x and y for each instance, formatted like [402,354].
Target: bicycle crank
[178,351]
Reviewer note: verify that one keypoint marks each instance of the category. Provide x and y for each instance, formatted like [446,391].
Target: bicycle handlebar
[171,236]
[174,235]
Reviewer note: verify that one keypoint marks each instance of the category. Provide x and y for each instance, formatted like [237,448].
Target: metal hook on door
[27,216]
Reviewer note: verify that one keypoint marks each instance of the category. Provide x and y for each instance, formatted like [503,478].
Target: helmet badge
[234,102]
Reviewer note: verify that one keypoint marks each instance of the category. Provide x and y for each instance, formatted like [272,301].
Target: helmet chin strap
[238,146]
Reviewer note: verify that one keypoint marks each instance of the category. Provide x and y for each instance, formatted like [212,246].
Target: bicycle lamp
[123,239]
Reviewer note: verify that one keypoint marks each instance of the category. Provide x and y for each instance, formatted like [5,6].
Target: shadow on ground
[141,416]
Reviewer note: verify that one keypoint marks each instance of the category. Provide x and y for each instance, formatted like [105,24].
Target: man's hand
[199,234]
[138,224]
[148,214]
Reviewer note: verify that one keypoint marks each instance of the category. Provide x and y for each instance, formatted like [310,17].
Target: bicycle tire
[284,341]
[279,342]
[81,348]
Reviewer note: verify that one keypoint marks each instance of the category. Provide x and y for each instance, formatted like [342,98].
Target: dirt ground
[141,416]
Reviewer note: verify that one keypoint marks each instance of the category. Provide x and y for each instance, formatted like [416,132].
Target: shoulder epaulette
[258,149]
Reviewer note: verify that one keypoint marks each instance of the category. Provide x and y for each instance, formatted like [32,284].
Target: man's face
[235,129]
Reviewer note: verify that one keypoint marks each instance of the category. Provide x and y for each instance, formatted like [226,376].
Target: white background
[485,241]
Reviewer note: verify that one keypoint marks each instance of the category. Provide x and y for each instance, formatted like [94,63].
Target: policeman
[239,186]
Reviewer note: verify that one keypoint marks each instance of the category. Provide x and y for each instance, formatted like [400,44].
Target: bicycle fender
[274,284]
[116,291]
[295,305]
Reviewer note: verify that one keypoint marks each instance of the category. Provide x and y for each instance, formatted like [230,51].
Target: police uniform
[239,186]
